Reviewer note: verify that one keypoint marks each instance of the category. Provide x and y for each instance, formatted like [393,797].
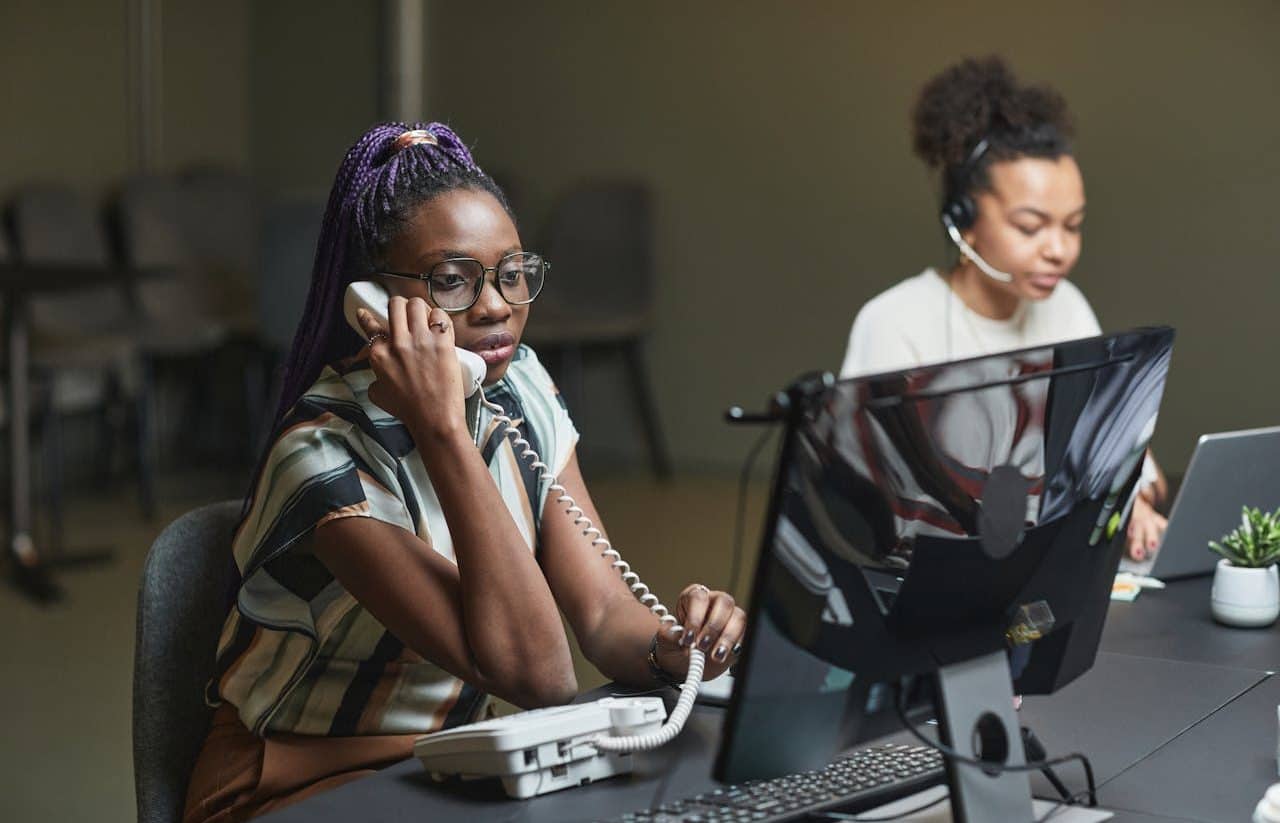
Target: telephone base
[543,750]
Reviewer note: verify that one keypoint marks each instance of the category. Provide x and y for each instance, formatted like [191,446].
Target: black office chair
[182,602]
[599,293]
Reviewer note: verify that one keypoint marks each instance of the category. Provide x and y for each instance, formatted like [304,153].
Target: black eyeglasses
[455,284]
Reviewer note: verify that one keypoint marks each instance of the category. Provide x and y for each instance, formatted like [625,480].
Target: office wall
[64,71]
[775,137]
[314,67]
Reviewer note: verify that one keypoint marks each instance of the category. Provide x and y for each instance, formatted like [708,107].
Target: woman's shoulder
[904,300]
[336,410]
[1068,311]
[529,378]
[908,291]
[1069,294]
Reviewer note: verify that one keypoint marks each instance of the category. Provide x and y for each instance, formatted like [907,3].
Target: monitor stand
[976,718]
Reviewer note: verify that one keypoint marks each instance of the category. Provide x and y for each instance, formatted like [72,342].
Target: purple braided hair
[378,187]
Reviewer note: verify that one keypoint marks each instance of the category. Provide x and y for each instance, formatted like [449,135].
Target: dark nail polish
[721,651]
[737,649]
[705,642]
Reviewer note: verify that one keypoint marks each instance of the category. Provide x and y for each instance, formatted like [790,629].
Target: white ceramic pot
[1245,597]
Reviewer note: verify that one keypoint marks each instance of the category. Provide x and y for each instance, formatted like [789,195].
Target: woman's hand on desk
[713,622]
[1146,530]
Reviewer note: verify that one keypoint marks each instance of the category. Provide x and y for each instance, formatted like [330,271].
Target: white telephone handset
[547,749]
[367,295]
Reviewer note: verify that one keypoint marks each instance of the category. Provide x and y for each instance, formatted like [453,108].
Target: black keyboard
[865,779]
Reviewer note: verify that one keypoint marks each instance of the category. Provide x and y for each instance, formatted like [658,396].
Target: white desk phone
[543,750]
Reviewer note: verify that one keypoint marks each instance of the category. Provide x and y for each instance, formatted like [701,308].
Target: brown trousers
[239,775]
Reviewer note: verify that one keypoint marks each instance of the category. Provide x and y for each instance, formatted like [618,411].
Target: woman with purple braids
[400,562]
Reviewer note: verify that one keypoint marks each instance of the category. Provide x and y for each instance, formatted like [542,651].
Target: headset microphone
[967,251]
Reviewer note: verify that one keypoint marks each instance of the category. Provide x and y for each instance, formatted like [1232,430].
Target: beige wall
[64,71]
[276,88]
[775,136]
[314,69]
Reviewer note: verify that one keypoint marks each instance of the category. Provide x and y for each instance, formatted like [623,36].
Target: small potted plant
[1246,591]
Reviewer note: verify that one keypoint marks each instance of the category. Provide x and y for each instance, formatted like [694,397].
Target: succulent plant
[1255,543]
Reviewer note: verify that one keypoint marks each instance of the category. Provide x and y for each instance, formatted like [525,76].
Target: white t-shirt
[921,320]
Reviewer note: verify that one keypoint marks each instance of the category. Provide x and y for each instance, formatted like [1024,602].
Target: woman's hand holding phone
[416,367]
[713,623]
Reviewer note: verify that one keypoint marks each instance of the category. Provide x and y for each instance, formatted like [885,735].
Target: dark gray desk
[1175,624]
[1218,770]
[1126,707]
[1171,738]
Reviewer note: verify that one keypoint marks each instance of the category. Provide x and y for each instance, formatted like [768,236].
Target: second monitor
[924,527]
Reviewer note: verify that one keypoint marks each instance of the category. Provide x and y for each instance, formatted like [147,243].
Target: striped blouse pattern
[298,653]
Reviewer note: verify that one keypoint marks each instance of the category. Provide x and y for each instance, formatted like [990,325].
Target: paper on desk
[941,813]
[1125,590]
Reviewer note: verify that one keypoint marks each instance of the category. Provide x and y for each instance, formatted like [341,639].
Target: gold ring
[376,336]
[443,325]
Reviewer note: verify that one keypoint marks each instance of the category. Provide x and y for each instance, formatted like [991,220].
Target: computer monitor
[917,518]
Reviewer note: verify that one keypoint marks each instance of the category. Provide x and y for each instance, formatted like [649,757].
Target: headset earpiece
[961,210]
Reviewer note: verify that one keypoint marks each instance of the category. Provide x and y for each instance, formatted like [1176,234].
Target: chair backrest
[150,220]
[599,240]
[182,603]
[219,220]
[55,225]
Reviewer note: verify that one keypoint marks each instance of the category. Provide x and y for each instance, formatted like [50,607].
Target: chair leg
[107,430]
[143,440]
[648,409]
[52,431]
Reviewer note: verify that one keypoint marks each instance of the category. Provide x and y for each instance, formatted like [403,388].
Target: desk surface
[1126,707]
[1175,624]
[1177,717]
[1218,770]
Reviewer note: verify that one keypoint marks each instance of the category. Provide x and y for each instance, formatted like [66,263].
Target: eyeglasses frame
[425,277]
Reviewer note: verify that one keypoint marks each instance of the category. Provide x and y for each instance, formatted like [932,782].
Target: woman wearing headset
[1014,206]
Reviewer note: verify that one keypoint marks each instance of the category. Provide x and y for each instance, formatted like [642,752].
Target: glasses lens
[454,284]
[520,276]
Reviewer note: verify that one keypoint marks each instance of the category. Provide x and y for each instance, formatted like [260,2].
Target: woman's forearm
[510,617]
[620,648]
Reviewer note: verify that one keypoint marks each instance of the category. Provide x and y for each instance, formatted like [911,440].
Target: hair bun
[979,98]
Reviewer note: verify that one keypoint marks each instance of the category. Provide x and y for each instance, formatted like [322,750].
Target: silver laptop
[1228,470]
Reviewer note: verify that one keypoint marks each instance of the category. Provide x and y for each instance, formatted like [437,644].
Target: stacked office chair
[198,232]
[599,293]
[219,224]
[182,601]
[84,342]
[179,307]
